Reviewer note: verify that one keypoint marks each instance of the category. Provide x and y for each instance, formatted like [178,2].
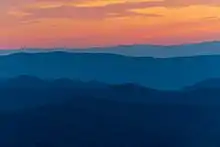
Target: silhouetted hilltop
[206,84]
[26,91]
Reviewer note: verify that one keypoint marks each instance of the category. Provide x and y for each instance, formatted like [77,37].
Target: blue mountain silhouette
[58,113]
[159,51]
[168,73]
[137,50]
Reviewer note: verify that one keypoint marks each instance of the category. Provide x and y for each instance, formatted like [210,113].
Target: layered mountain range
[157,73]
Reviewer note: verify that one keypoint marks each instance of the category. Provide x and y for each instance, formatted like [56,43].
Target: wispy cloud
[82,10]
[105,22]
[103,9]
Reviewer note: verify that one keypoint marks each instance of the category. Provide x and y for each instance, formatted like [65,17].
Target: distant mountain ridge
[139,50]
[159,51]
[156,73]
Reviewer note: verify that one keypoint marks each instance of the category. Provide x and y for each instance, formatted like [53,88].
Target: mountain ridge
[28,91]
[138,50]
[156,73]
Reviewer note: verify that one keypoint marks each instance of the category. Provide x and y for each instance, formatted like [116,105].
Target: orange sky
[86,23]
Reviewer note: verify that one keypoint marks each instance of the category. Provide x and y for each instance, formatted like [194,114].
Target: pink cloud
[111,10]
[97,12]
[165,3]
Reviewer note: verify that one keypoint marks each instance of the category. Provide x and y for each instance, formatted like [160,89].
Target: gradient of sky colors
[86,23]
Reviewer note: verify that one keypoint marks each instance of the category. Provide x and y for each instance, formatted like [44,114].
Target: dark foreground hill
[66,113]
[98,123]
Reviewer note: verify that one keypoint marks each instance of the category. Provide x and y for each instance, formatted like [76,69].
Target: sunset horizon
[104,23]
[24,47]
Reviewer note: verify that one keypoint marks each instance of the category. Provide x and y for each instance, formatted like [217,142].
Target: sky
[89,23]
